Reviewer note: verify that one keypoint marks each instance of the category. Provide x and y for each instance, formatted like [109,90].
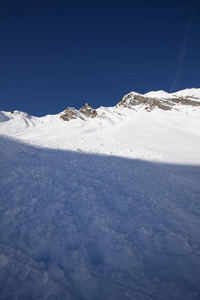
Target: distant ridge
[154,126]
[150,101]
[161,99]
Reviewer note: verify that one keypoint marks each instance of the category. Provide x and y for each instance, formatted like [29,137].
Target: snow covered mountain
[91,208]
[155,126]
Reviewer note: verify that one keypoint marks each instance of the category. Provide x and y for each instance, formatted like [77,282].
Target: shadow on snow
[87,226]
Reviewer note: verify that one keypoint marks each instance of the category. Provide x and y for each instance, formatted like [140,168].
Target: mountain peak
[138,120]
[88,111]
[161,99]
[149,101]
[84,113]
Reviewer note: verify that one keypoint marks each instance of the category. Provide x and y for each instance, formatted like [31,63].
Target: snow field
[172,136]
[86,226]
[96,210]
[167,136]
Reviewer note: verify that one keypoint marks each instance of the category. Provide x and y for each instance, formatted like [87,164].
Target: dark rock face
[88,111]
[69,114]
[131,100]
[187,101]
[84,113]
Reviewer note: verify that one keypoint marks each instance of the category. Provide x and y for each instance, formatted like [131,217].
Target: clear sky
[60,53]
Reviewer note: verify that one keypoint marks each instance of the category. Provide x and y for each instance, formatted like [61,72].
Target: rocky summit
[133,100]
[162,100]
[85,112]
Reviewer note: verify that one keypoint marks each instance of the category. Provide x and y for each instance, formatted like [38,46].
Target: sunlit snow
[101,209]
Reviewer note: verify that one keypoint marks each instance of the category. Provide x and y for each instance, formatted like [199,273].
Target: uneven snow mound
[85,226]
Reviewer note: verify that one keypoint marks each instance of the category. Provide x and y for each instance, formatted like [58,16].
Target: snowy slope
[103,207]
[190,93]
[134,132]
[85,226]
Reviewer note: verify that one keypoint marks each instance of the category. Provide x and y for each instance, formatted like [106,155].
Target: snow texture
[102,208]
[86,226]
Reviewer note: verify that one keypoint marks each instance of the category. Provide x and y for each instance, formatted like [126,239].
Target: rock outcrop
[149,101]
[84,113]
[70,114]
[133,99]
[88,111]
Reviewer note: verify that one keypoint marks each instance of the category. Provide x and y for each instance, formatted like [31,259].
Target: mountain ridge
[153,99]
[101,207]
[158,127]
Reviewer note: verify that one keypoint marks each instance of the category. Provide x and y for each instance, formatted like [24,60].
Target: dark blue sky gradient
[55,54]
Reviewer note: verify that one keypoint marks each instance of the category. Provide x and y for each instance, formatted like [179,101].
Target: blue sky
[55,54]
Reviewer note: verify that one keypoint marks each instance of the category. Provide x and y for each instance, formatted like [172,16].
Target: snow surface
[106,208]
[190,93]
[87,226]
